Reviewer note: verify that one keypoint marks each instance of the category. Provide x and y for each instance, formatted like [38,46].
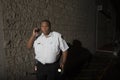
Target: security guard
[47,47]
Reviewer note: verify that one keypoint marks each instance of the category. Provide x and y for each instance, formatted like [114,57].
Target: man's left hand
[62,66]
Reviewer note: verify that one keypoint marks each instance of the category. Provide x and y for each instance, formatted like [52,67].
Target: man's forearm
[30,41]
[63,58]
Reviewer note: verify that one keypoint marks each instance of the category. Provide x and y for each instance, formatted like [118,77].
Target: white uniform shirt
[47,49]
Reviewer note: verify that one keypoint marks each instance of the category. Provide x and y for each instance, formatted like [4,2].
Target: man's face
[45,27]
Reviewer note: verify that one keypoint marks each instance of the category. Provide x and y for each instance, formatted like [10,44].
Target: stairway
[97,67]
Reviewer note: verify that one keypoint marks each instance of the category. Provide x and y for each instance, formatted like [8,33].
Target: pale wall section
[75,19]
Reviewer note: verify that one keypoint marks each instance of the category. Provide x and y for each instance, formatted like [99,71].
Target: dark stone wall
[2,51]
[106,23]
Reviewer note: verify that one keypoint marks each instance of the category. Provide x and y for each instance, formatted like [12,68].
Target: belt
[38,62]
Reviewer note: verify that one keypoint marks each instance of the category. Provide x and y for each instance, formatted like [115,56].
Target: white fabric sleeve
[35,42]
[62,44]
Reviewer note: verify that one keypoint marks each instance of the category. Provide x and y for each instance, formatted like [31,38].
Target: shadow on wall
[78,58]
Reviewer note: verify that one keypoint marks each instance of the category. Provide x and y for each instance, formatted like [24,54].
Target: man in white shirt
[47,47]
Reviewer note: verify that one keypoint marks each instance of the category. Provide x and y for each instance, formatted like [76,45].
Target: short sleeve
[62,44]
[34,43]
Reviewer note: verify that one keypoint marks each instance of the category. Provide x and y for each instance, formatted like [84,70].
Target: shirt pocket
[39,46]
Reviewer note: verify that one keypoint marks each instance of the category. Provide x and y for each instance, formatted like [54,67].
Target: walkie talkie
[37,30]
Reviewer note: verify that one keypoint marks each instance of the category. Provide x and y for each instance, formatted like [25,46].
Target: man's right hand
[32,38]
[34,33]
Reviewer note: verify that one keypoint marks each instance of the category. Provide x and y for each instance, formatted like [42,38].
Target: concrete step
[96,67]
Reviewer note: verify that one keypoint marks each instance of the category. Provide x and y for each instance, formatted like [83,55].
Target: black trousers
[47,71]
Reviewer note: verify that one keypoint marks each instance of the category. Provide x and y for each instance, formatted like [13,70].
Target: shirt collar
[49,35]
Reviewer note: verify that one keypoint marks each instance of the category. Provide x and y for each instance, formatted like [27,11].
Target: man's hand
[32,38]
[62,66]
[34,33]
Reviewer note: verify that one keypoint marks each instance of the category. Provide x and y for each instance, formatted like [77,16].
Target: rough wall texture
[75,19]
[2,51]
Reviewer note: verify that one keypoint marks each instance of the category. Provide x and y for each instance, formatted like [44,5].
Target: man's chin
[46,33]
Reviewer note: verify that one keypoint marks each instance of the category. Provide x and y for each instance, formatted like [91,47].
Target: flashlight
[59,70]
